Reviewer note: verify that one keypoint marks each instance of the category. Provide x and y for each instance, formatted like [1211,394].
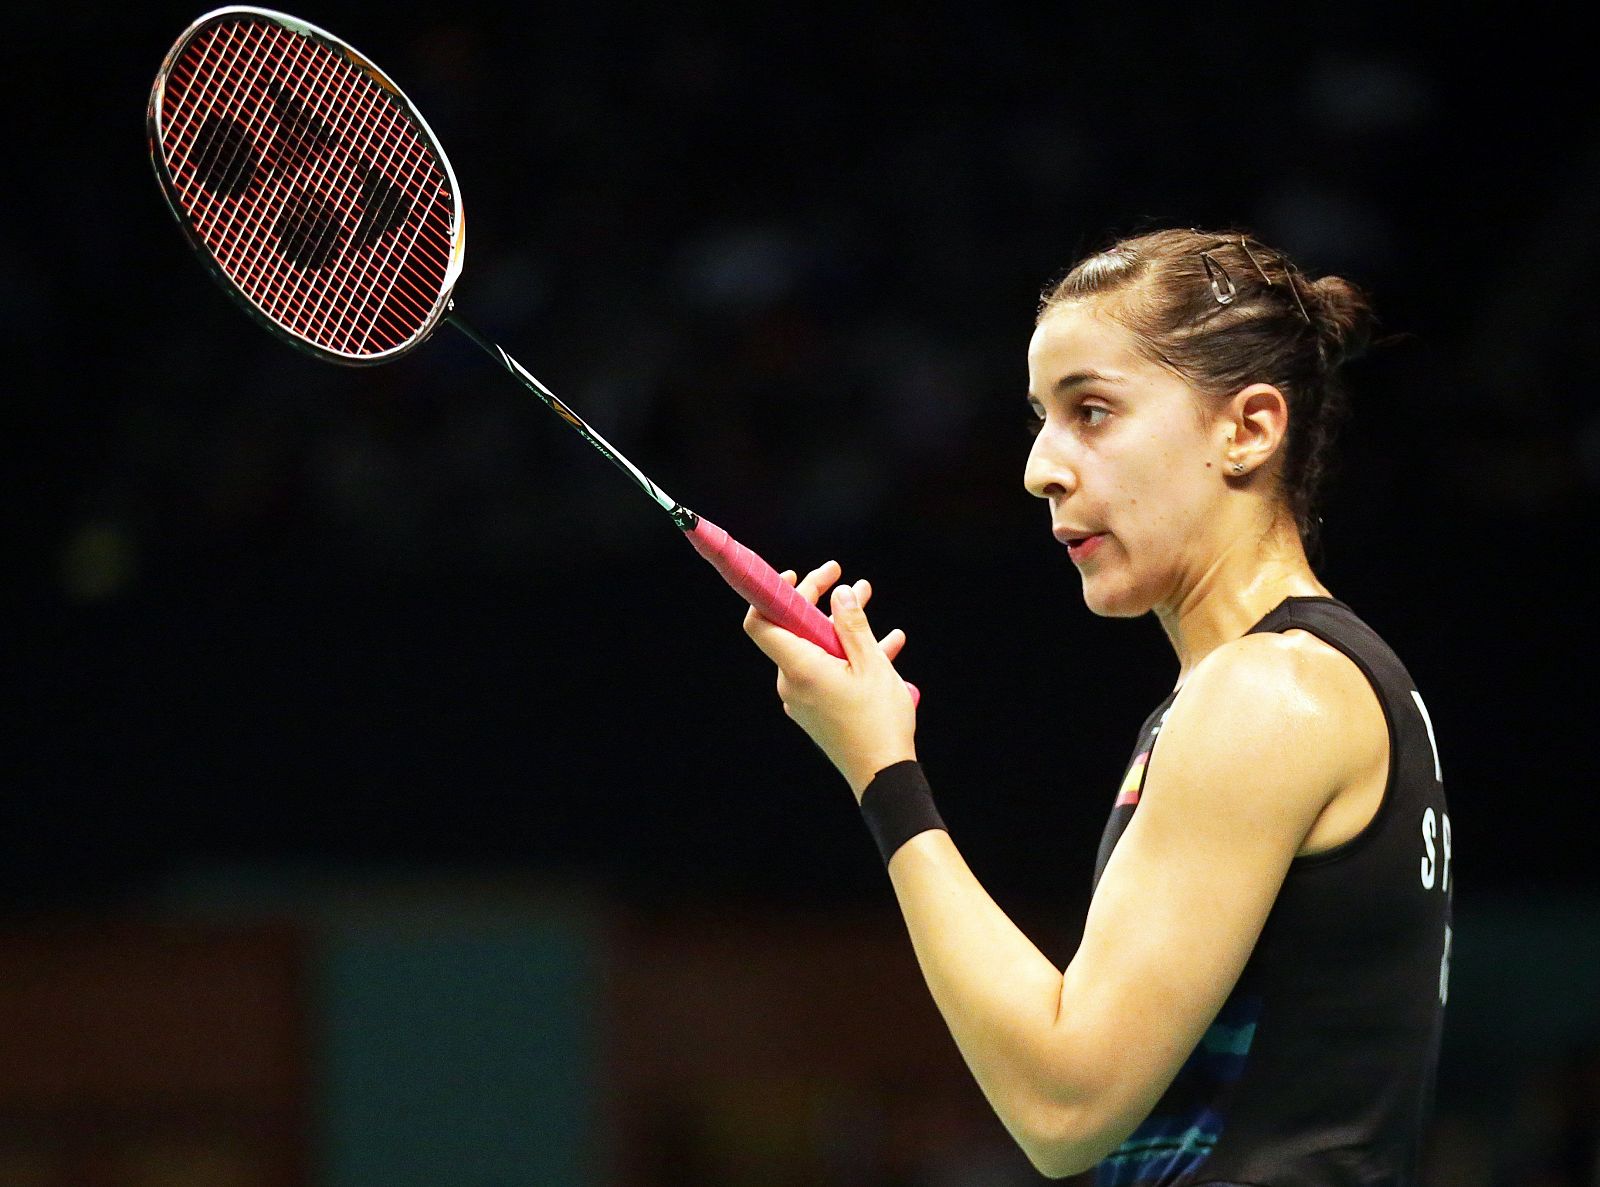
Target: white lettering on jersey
[1429,825]
[1428,722]
[1435,865]
[1444,836]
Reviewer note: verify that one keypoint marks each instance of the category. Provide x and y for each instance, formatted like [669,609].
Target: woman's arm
[1251,753]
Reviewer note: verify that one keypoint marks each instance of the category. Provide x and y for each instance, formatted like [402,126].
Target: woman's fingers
[817,582]
[892,643]
[821,579]
[812,587]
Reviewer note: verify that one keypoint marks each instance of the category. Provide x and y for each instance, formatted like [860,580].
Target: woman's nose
[1047,474]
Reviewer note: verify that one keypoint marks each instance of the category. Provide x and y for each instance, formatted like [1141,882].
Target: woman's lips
[1081,550]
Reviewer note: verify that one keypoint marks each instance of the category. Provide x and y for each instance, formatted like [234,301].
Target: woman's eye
[1093,415]
[1035,420]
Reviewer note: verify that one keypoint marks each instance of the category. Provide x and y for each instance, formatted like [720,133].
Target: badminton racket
[315,193]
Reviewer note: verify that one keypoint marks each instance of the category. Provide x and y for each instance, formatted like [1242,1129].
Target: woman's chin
[1106,602]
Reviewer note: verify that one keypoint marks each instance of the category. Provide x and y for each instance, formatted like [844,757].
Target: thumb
[850,622]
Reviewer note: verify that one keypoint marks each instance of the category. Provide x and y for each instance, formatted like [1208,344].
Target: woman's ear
[1257,423]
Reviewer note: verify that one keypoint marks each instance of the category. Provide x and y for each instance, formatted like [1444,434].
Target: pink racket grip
[759,584]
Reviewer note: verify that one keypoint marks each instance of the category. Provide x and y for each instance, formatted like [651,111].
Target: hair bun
[1342,316]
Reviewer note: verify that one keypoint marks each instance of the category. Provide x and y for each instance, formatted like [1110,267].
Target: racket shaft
[756,581]
[759,584]
[574,421]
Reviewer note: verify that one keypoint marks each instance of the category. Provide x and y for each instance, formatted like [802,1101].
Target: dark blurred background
[284,637]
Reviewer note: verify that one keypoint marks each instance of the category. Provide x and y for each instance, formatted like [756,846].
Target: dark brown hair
[1223,310]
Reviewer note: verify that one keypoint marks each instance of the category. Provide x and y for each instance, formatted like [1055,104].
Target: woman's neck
[1241,586]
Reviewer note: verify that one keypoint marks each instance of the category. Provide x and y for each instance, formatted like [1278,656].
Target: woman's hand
[856,709]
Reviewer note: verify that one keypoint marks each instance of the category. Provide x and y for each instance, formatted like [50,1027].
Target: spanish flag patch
[1133,781]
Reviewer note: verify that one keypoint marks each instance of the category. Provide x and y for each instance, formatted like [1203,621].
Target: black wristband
[897,805]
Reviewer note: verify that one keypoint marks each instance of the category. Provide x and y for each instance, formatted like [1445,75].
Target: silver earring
[1238,467]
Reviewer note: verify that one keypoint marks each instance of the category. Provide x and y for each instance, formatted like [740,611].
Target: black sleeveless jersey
[1318,1070]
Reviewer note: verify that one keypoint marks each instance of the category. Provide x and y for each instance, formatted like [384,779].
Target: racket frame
[153,127]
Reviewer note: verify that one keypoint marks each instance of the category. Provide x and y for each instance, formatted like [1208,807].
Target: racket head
[307,183]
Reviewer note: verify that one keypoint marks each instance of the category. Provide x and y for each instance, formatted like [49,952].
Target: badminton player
[1258,994]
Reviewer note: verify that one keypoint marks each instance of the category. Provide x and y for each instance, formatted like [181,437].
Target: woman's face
[1127,459]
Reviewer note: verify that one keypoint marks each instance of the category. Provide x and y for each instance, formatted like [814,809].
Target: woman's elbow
[1057,1161]
[1062,1141]
[1051,1165]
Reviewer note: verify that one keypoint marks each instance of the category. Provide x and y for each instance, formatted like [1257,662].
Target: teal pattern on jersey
[1187,1122]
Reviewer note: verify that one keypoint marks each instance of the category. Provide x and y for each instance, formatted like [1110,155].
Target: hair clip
[1218,276]
[1244,246]
[1288,275]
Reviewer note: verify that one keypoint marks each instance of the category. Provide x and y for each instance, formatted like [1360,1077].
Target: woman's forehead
[1070,339]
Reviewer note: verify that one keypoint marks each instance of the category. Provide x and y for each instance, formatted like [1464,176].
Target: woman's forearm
[999,995]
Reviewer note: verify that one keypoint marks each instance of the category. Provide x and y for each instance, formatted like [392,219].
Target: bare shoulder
[1293,672]
[1285,709]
